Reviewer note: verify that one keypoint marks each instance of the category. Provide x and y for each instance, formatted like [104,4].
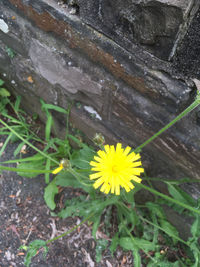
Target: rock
[132,91]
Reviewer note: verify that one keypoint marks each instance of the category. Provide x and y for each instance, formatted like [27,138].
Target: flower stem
[70,231]
[162,229]
[180,116]
[24,170]
[155,192]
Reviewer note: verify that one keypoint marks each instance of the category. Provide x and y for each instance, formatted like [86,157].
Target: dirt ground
[25,217]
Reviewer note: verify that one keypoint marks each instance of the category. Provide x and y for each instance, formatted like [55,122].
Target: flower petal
[98,183]
[136,179]
[95,175]
[93,163]
[127,150]
[57,170]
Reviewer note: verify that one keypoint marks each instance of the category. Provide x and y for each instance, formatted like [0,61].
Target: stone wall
[110,60]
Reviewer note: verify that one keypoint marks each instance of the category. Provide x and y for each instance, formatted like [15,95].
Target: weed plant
[142,229]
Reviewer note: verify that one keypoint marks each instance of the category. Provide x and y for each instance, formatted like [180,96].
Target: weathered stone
[134,93]
[186,60]
[157,25]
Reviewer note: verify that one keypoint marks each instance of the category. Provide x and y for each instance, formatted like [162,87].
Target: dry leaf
[30,79]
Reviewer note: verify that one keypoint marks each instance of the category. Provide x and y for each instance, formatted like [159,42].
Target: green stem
[23,170]
[5,144]
[162,229]
[28,143]
[75,174]
[153,191]
[180,116]
[70,231]
[171,181]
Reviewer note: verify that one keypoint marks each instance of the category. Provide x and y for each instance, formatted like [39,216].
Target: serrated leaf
[126,243]
[32,250]
[4,92]
[67,179]
[18,149]
[49,194]
[101,245]
[129,214]
[114,243]
[170,230]
[96,222]
[135,243]
[37,165]
[155,209]
[82,158]
[177,193]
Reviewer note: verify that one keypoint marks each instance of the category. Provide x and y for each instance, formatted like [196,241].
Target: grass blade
[47,167]
[5,144]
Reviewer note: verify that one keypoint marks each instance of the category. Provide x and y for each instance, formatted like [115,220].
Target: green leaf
[177,193]
[48,127]
[96,222]
[195,229]
[136,258]
[10,52]
[6,143]
[36,157]
[127,243]
[101,245]
[67,179]
[129,214]
[170,230]
[1,82]
[17,103]
[135,243]
[18,149]
[47,167]
[155,209]
[82,158]
[4,92]
[37,165]
[114,243]
[56,108]
[76,140]
[32,250]
[49,194]
[79,206]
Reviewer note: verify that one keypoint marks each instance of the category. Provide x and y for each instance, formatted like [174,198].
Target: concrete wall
[119,81]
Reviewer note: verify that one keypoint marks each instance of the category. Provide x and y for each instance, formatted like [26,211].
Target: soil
[25,217]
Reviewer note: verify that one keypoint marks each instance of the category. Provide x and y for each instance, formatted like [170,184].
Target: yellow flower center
[115,168]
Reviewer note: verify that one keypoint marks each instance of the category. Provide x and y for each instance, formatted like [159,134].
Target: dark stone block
[187,58]
[153,24]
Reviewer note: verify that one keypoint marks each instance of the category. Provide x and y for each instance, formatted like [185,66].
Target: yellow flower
[115,168]
[57,170]
[64,164]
